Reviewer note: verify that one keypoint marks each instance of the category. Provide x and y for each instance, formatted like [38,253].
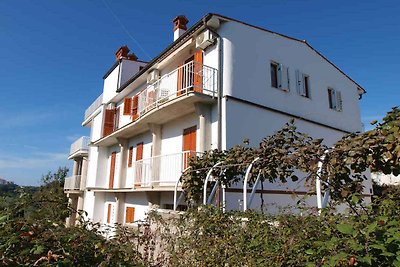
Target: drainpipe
[219,82]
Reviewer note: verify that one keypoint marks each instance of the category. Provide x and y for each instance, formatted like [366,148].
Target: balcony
[190,77]
[74,183]
[175,93]
[80,147]
[93,107]
[161,171]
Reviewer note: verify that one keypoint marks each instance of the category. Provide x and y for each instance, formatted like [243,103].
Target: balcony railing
[187,78]
[74,183]
[80,144]
[162,170]
[95,105]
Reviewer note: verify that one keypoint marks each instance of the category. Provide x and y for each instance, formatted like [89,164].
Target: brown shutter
[108,126]
[135,104]
[130,215]
[130,156]
[198,71]
[109,213]
[179,81]
[189,144]
[127,105]
[112,170]
[138,169]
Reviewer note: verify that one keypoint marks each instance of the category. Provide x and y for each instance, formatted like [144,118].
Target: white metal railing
[192,76]
[74,182]
[97,103]
[162,170]
[81,143]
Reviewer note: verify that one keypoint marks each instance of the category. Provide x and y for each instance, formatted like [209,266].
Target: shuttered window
[108,126]
[303,84]
[198,71]
[135,104]
[274,75]
[279,76]
[335,99]
[116,119]
[139,167]
[130,215]
[127,106]
[130,156]
[112,170]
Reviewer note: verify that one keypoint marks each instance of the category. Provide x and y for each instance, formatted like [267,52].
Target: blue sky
[54,53]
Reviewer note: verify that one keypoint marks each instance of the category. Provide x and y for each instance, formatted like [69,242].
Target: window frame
[274,65]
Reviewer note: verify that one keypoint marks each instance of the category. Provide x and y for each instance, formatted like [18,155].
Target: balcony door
[190,74]
[188,144]
[139,164]
[112,170]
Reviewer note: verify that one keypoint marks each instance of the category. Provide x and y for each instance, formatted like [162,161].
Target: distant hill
[4,181]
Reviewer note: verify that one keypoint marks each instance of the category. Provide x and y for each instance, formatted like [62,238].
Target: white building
[219,82]
[385,179]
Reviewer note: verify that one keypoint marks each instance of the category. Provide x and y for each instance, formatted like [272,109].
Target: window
[303,84]
[130,156]
[274,75]
[335,99]
[116,119]
[279,76]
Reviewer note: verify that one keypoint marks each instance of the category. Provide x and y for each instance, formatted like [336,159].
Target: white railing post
[206,182]
[246,179]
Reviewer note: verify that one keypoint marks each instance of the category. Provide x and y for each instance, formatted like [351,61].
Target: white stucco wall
[139,201]
[172,134]
[247,54]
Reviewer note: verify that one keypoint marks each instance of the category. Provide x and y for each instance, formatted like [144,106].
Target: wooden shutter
[109,207]
[130,156]
[112,170]
[130,215]
[189,144]
[299,82]
[135,105]
[198,71]
[138,167]
[179,80]
[127,105]
[339,103]
[108,126]
[283,77]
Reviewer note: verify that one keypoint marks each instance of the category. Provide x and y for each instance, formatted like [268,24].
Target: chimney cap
[180,22]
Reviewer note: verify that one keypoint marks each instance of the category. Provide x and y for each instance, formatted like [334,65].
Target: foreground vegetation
[32,231]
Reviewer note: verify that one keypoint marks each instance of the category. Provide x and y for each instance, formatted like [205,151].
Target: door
[139,165]
[112,170]
[188,144]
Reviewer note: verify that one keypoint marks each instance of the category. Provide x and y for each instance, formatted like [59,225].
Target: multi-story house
[219,82]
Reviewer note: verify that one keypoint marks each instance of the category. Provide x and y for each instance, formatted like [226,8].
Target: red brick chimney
[122,52]
[180,23]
